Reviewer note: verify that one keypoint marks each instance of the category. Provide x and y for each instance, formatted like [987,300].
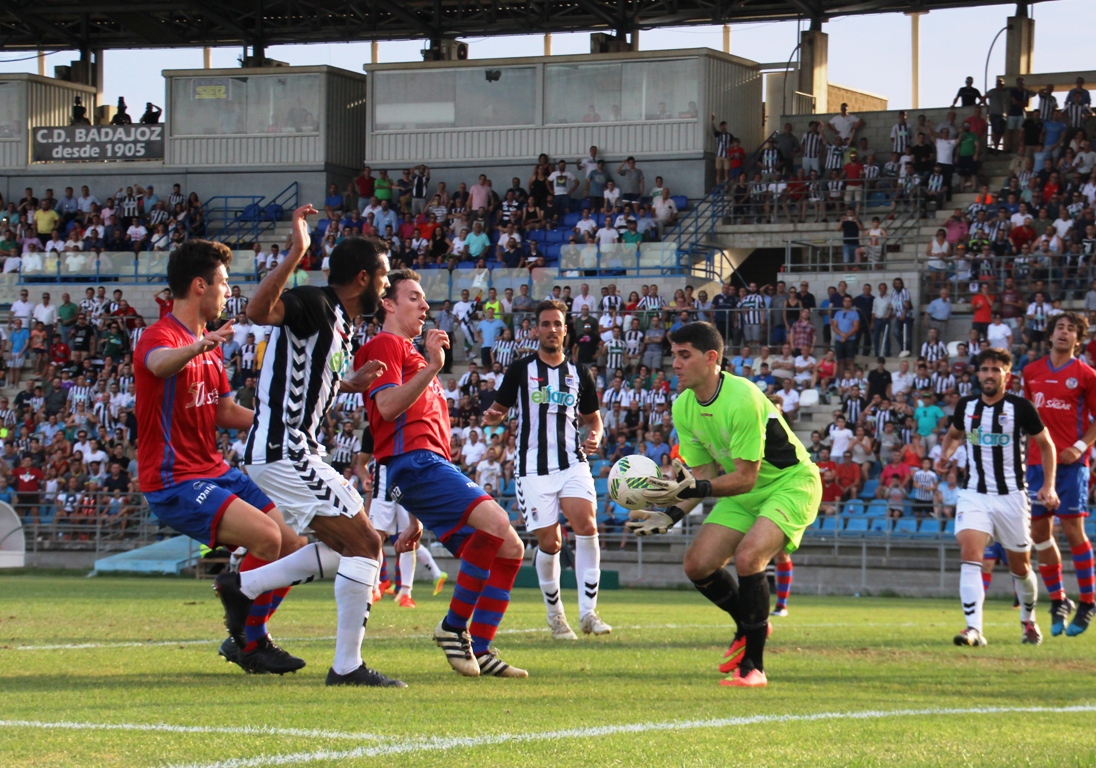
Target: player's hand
[360,379]
[436,344]
[665,493]
[409,537]
[300,224]
[213,339]
[590,444]
[491,417]
[1069,456]
[646,522]
[942,467]
[1048,497]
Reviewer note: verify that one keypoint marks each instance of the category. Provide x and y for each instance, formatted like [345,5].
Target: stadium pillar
[915,58]
[1019,42]
[41,63]
[375,51]
[547,43]
[814,66]
[207,58]
[726,38]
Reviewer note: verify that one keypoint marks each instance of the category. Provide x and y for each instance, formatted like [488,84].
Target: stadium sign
[97,143]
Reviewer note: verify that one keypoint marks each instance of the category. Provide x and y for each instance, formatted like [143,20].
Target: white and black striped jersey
[349,403]
[1047,104]
[753,306]
[942,382]
[549,402]
[78,394]
[922,382]
[835,157]
[8,417]
[158,216]
[995,441]
[935,183]
[811,143]
[135,336]
[933,352]
[344,448]
[504,352]
[633,342]
[306,358]
[924,484]
[611,302]
[128,204]
[965,388]
[106,417]
[652,302]
[770,159]
[615,350]
[613,395]
[1076,114]
[236,305]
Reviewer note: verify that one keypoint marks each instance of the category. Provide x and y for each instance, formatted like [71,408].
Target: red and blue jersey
[177,416]
[424,425]
[1065,399]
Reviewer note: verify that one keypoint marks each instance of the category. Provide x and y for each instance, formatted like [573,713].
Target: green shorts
[792,504]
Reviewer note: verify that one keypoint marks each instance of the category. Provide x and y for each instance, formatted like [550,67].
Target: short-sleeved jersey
[177,416]
[995,441]
[1065,399]
[739,422]
[424,425]
[549,401]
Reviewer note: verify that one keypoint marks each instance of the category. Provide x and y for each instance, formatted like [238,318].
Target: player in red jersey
[410,423]
[1063,389]
[183,397]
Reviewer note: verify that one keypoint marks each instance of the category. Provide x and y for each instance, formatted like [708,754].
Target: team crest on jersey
[1071,383]
[339,363]
[569,381]
[1002,420]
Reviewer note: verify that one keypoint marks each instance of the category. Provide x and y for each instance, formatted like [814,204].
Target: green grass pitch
[123,672]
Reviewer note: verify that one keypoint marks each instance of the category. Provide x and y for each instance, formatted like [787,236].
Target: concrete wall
[858,101]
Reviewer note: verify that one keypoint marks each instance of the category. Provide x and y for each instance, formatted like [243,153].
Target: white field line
[522,631]
[466,742]
[258,730]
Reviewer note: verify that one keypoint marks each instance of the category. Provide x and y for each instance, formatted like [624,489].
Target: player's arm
[165,362]
[232,415]
[597,429]
[394,400]
[266,307]
[951,443]
[360,380]
[1047,495]
[644,522]
[1076,452]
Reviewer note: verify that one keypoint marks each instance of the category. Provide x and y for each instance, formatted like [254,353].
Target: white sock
[548,576]
[972,593]
[1027,589]
[427,559]
[316,561]
[353,590]
[407,572]
[588,572]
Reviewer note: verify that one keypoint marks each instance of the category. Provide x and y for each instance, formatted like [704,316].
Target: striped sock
[492,604]
[384,569]
[276,597]
[255,628]
[1082,565]
[477,557]
[784,574]
[987,579]
[1052,577]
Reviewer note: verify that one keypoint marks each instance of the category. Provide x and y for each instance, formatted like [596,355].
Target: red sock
[493,602]
[987,579]
[1052,577]
[255,629]
[476,559]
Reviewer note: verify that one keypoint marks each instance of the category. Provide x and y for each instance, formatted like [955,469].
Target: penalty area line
[466,742]
[246,730]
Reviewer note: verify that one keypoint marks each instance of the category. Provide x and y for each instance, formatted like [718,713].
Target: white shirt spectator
[586,226]
[611,196]
[85,203]
[839,441]
[136,233]
[843,124]
[22,310]
[901,382]
[945,151]
[46,314]
[790,400]
[489,472]
[581,301]
[607,236]
[999,335]
[664,209]
[804,369]
[473,454]
[13,264]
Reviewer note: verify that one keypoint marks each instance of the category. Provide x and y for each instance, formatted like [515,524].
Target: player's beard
[990,388]
[369,300]
[550,349]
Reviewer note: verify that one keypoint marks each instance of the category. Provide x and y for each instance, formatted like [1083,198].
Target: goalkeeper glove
[664,493]
[645,522]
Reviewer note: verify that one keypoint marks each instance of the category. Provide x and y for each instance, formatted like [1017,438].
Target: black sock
[753,601]
[722,590]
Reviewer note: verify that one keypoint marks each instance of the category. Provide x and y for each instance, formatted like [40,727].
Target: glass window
[621,91]
[12,123]
[454,98]
[211,106]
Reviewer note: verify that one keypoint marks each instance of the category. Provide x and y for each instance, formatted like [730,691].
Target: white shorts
[1006,518]
[387,516]
[539,495]
[305,489]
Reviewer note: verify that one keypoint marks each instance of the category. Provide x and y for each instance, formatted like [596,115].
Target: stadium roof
[91,24]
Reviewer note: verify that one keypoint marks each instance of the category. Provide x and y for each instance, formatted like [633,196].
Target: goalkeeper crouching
[768,495]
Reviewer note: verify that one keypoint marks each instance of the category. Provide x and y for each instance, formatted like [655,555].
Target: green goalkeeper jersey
[738,423]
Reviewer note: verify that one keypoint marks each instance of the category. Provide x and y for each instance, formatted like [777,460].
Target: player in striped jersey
[616,351]
[553,395]
[993,501]
[1063,389]
[307,361]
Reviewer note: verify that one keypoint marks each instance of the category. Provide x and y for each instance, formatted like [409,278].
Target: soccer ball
[628,477]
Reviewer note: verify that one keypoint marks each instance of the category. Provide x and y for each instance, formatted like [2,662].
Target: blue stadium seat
[540,235]
[1090,528]
[681,201]
[867,493]
[949,528]
[877,508]
[905,526]
[322,225]
[928,529]
[557,235]
[601,486]
[494,237]
[551,253]
[506,487]
[858,525]
[597,465]
[880,526]
[466,265]
[830,525]
[571,219]
[854,507]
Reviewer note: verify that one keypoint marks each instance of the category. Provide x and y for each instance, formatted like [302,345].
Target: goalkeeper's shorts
[791,502]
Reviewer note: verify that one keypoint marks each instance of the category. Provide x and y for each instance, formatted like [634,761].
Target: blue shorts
[194,507]
[995,552]
[1071,485]
[432,489]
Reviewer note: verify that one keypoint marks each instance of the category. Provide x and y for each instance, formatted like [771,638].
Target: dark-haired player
[1063,389]
[183,397]
[993,501]
[306,364]
[767,498]
[410,423]
[553,395]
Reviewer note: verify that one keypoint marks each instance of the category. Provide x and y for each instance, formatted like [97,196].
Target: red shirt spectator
[1021,236]
[899,470]
[365,184]
[831,492]
[1050,190]
[854,173]
[848,474]
[59,353]
[28,479]
[737,156]
[165,304]
[982,305]
[827,466]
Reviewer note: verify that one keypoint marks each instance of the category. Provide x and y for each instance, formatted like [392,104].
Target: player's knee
[698,568]
[748,561]
[512,548]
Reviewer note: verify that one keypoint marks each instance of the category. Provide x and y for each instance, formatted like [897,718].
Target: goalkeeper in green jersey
[742,453]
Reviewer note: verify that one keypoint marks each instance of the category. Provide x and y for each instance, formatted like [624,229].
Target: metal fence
[91,522]
[765,198]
